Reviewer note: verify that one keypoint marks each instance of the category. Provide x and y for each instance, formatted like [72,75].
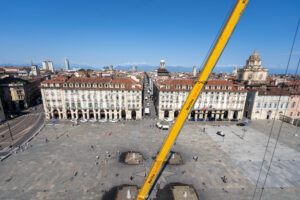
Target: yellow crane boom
[189,103]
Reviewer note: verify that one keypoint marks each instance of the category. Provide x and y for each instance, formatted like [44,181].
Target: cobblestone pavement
[82,162]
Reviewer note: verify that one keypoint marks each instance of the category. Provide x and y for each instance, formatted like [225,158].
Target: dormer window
[82,85]
[57,84]
[71,84]
[207,87]
[65,85]
[183,87]
[229,87]
[189,87]
[123,86]
[46,84]
[167,86]
[106,85]
[88,85]
[117,85]
[51,84]
[177,86]
[111,85]
[100,85]
[239,87]
[218,87]
[76,85]
[224,87]
[94,85]
[212,87]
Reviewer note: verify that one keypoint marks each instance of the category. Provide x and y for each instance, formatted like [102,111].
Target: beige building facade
[92,98]
[18,93]
[253,70]
[267,103]
[219,100]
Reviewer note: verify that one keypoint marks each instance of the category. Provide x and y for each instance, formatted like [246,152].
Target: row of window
[87,85]
[224,87]
[202,94]
[180,87]
[205,98]
[298,114]
[272,105]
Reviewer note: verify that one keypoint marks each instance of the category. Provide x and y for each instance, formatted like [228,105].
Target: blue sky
[139,32]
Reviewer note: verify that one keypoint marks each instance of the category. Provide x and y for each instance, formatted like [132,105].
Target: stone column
[171,114]
[87,114]
[230,114]
[128,114]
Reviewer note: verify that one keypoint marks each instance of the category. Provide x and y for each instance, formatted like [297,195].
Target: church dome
[255,56]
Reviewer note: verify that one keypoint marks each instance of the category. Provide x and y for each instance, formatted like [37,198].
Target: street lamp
[12,139]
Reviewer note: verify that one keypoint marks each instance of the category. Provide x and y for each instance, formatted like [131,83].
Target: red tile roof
[128,82]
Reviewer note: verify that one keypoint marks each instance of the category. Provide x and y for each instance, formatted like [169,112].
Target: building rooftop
[187,84]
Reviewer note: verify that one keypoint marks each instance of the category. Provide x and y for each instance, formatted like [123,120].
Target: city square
[82,162]
[150,100]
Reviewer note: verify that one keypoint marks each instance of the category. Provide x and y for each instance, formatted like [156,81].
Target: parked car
[220,133]
[102,120]
[147,111]
[165,127]
[158,125]
[241,124]
[234,120]
[200,119]
[192,119]
[219,120]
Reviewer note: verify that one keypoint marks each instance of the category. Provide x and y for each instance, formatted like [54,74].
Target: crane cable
[265,180]
[297,127]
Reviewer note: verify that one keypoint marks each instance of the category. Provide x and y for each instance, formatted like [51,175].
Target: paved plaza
[82,162]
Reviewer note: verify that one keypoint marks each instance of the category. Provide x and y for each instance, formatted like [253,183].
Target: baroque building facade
[219,99]
[92,98]
[253,70]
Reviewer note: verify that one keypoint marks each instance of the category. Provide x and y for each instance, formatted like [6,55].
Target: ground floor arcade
[94,114]
[204,114]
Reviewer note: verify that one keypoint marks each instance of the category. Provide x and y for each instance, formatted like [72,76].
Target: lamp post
[12,139]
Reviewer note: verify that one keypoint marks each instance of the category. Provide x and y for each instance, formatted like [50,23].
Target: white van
[165,127]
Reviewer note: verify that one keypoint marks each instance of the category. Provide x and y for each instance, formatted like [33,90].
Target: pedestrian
[224,179]
[131,178]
